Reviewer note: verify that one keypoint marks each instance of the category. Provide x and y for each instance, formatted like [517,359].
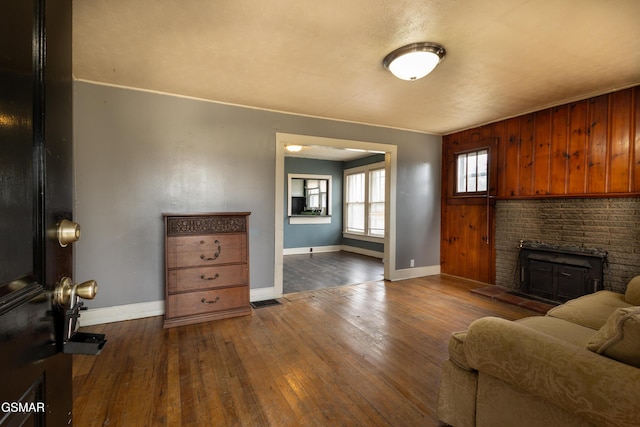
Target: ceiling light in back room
[414,61]
[293,148]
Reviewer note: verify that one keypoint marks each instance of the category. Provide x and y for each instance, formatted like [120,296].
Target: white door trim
[391,160]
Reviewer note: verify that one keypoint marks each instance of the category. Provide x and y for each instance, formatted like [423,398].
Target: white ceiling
[329,153]
[324,58]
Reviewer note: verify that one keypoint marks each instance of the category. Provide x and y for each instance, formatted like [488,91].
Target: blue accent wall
[363,244]
[310,235]
[376,158]
[315,235]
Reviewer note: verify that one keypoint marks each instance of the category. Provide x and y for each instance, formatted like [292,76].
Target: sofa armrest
[632,293]
[600,390]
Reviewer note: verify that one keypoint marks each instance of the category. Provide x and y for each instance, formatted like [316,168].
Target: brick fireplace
[610,225]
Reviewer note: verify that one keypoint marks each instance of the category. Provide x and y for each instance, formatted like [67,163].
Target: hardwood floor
[306,272]
[367,354]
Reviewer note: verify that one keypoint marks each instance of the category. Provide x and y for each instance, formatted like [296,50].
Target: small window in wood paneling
[472,172]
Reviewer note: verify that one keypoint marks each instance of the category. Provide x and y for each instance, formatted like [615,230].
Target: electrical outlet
[412,263]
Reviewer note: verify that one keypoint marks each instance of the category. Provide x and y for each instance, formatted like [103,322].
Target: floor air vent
[265,303]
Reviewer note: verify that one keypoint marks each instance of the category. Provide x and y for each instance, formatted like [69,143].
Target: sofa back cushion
[632,294]
[591,310]
[619,337]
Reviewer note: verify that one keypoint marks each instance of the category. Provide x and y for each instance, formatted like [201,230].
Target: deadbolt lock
[68,232]
[66,291]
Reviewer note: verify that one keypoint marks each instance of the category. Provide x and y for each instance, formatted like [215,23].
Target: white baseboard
[410,273]
[119,313]
[262,294]
[97,316]
[307,250]
[333,248]
[362,251]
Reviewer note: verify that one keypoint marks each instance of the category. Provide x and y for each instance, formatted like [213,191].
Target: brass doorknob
[68,232]
[87,290]
[66,291]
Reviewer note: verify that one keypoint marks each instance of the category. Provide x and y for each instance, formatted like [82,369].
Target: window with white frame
[472,172]
[354,203]
[364,200]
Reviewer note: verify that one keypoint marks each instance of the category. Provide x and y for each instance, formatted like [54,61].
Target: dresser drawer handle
[215,256]
[204,301]
[215,276]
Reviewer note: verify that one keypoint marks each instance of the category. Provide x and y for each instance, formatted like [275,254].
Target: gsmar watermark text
[22,407]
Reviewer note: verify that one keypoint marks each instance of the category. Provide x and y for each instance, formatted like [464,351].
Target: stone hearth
[507,295]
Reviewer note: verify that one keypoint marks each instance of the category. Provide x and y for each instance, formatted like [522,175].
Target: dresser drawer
[195,251]
[204,302]
[196,278]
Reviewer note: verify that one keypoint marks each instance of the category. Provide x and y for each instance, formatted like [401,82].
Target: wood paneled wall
[589,148]
[465,250]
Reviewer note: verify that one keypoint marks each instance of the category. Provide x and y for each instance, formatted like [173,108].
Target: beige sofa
[579,365]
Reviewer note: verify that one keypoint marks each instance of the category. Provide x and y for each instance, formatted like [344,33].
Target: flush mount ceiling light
[293,148]
[414,61]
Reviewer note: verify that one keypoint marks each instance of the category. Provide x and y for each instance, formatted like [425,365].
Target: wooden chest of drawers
[206,267]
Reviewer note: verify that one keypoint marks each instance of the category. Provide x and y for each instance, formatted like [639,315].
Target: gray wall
[311,235]
[138,154]
[418,203]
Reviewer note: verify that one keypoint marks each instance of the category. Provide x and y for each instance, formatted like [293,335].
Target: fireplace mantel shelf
[573,250]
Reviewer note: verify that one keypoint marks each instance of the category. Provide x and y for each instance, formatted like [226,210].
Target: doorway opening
[326,148]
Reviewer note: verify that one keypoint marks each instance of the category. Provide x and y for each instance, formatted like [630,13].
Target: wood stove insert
[560,273]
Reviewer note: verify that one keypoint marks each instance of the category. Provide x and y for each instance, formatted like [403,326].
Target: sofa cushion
[619,337]
[559,328]
[592,310]
[632,294]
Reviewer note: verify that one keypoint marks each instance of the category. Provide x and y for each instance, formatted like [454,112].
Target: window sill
[309,219]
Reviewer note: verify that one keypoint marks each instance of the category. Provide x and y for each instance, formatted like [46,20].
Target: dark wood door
[35,194]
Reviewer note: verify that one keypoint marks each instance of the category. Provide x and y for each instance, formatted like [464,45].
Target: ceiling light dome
[414,61]
[293,148]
